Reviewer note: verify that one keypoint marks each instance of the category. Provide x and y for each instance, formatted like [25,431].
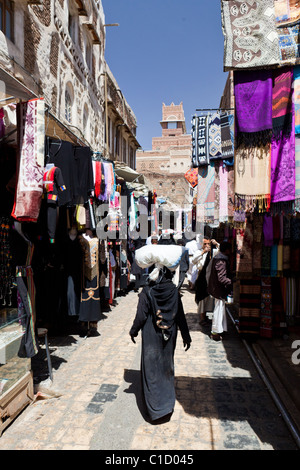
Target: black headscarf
[163,295]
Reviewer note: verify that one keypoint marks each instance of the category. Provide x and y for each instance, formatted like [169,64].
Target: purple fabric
[268,230]
[253,101]
[283,171]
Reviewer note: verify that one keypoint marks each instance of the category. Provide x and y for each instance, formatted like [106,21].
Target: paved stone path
[222,404]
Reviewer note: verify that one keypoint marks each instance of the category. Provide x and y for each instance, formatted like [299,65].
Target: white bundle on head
[160,255]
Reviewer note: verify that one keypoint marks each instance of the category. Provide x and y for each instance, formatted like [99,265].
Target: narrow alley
[95,402]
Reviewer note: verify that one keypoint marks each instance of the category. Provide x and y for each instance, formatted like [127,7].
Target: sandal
[216,337]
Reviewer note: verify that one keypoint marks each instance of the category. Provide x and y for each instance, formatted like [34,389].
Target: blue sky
[165,51]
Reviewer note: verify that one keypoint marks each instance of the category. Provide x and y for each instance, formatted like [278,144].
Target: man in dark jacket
[219,285]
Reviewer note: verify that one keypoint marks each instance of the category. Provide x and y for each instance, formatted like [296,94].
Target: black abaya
[157,361]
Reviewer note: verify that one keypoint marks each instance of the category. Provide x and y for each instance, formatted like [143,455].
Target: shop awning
[13,88]
[128,174]
[134,180]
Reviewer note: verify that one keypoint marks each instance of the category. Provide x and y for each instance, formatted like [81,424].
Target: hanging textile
[250,34]
[227,137]
[217,192]
[282,102]
[250,305]
[244,251]
[288,37]
[291,297]
[283,141]
[206,193]
[203,154]
[266,308]
[257,243]
[297,174]
[214,136]
[29,190]
[192,177]
[253,101]
[297,98]
[286,11]
[252,176]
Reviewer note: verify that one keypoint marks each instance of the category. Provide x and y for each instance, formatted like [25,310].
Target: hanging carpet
[250,36]
[286,12]
[297,98]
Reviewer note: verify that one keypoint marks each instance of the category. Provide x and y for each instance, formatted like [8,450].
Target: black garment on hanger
[83,177]
[61,154]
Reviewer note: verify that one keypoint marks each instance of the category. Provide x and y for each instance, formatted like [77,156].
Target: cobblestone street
[95,400]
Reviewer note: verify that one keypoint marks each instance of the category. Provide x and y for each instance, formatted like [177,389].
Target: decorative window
[172,125]
[73,29]
[68,106]
[7,18]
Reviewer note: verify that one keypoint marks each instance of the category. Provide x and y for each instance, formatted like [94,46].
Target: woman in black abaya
[159,315]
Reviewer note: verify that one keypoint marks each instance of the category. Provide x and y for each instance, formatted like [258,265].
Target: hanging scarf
[29,190]
[282,102]
[206,193]
[283,169]
[252,177]
[297,168]
[268,230]
[97,166]
[253,98]
[250,36]
[223,211]
[297,98]
[244,252]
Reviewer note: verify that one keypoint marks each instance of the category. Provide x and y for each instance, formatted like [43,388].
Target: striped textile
[249,308]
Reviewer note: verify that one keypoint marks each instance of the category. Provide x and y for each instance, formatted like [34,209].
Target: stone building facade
[56,49]
[169,159]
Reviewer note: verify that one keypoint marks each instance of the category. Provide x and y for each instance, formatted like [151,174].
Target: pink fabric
[223,211]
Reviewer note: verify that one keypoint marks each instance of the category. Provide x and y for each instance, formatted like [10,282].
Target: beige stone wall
[59,46]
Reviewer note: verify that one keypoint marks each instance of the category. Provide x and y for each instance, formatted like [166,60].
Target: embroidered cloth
[250,35]
[29,190]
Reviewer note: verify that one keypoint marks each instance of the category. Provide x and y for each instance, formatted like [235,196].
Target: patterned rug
[227,137]
[214,137]
[249,29]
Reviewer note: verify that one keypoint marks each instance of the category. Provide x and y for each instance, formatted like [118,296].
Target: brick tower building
[165,164]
